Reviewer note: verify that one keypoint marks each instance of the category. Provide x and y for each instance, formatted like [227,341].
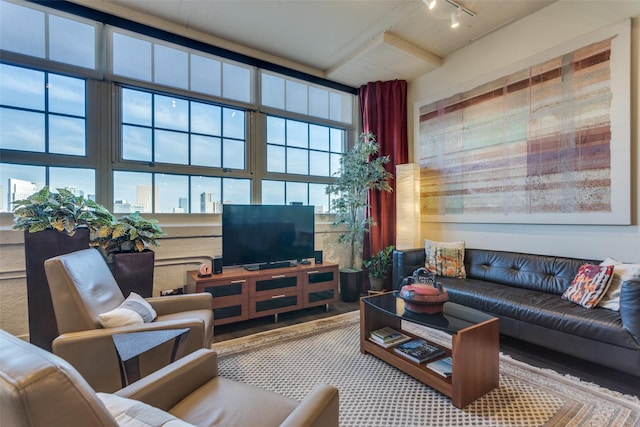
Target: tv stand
[239,294]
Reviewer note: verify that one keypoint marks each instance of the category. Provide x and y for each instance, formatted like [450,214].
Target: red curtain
[383,106]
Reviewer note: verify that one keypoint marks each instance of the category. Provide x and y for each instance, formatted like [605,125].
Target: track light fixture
[455,23]
[431,4]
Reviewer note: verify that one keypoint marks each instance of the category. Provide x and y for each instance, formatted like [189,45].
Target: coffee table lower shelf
[475,354]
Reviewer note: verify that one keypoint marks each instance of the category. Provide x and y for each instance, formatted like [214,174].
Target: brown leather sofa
[524,292]
[39,389]
[82,287]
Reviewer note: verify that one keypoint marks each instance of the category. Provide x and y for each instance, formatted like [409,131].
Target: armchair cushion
[133,311]
[132,413]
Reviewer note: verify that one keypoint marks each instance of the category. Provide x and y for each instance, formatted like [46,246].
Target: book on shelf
[442,366]
[390,343]
[419,350]
[385,334]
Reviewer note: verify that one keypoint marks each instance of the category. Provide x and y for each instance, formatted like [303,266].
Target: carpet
[291,360]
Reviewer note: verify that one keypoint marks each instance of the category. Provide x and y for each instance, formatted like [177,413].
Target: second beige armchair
[82,288]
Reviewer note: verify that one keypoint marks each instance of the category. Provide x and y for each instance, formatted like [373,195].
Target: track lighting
[455,23]
[430,3]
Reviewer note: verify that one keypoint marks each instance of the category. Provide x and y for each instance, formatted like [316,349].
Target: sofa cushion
[445,258]
[621,273]
[589,285]
[132,413]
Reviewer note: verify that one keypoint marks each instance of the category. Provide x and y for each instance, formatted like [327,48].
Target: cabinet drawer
[317,277]
[274,285]
[285,301]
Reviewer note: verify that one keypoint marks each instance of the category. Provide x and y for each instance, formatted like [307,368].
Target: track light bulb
[432,4]
[454,21]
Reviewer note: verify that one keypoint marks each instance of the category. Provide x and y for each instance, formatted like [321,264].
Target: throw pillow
[445,258]
[133,311]
[621,273]
[589,285]
[133,413]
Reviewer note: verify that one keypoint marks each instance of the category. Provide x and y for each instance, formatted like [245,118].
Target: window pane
[236,191]
[319,163]
[21,130]
[297,192]
[297,134]
[72,42]
[275,130]
[319,137]
[131,57]
[206,151]
[233,123]
[337,140]
[205,118]
[335,164]
[273,192]
[22,30]
[318,198]
[206,194]
[66,95]
[170,67]
[297,161]
[81,182]
[67,135]
[132,192]
[236,83]
[275,158]
[21,87]
[171,113]
[172,194]
[171,147]
[136,107]
[136,143]
[19,182]
[233,154]
[318,102]
[296,95]
[272,90]
[205,75]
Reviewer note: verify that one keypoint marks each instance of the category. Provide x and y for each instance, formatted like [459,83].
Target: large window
[143,124]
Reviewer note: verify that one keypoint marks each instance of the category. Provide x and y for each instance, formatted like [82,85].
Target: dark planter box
[350,285]
[39,247]
[134,272]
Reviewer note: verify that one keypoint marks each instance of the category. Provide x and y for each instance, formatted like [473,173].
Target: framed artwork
[545,141]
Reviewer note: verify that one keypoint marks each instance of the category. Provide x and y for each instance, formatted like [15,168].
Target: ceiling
[349,41]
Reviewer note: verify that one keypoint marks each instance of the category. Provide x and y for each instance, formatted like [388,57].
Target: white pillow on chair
[133,311]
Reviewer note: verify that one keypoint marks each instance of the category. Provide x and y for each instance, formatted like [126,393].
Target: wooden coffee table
[475,345]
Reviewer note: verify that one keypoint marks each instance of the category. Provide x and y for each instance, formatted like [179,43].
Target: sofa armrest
[180,303]
[629,311]
[405,262]
[168,386]
[93,354]
[320,408]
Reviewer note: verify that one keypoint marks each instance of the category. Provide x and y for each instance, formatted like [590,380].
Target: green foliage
[379,263]
[62,211]
[361,170]
[130,233]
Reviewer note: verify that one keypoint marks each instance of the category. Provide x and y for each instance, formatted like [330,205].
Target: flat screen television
[265,235]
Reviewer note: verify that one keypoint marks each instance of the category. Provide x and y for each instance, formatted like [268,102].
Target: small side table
[131,345]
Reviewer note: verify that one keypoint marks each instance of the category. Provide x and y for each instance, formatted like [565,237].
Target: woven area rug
[291,360]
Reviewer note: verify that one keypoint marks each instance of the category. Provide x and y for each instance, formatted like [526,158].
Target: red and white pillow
[589,285]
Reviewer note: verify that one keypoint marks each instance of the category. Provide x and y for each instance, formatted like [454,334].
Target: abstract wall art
[546,141]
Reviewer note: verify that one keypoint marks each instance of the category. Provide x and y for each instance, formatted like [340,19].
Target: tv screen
[255,234]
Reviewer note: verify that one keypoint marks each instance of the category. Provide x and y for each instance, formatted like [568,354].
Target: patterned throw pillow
[133,311]
[621,273]
[589,285]
[445,258]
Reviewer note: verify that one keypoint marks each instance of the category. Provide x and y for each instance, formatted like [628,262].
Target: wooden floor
[519,350]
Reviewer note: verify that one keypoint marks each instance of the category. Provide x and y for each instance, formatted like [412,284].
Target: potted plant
[126,243]
[361,170]
[54,223]
[378,266]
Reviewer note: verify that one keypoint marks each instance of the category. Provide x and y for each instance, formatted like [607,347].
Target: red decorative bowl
[421,298]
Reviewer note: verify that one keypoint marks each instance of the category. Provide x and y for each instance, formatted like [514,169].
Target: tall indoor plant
[361,170]
[54,223]
[126,244]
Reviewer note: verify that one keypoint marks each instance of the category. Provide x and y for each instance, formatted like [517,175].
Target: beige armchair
[39,389]
[82,287]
